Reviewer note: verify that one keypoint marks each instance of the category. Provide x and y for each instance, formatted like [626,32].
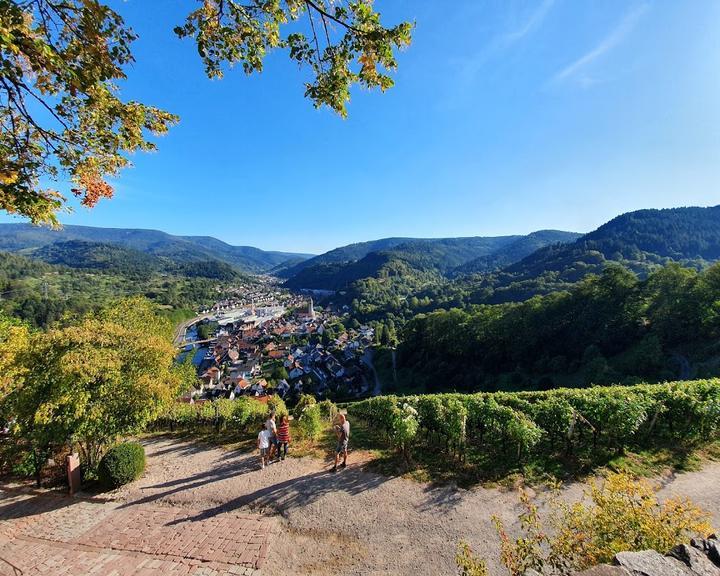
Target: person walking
[283,436]
[342,431]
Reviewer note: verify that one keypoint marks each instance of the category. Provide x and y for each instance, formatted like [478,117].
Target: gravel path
[353,522]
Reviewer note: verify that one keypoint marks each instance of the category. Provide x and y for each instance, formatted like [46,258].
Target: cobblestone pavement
[42,533]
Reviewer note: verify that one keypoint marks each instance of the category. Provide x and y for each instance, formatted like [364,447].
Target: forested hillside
[516,251]
[640,241]
[181,249]
[392,286]
[100,257]
[343,254]
[446,256]
[607,329]
[42,293]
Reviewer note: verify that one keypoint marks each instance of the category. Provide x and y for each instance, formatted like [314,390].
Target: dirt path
[367,358]
[352,522]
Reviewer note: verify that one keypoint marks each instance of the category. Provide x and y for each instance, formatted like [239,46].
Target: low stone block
[695,559]
[651,563]
[714,550]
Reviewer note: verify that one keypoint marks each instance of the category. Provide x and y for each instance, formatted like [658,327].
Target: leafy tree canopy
[96,380]
[14,337]
[61,62]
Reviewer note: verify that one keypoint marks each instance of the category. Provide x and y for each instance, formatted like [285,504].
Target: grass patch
[669,458]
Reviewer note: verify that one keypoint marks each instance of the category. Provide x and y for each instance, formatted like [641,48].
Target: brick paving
[53,535]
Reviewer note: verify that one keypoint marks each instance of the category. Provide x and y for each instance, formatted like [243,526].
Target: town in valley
[261,340]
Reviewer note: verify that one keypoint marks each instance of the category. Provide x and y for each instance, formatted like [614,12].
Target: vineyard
[240,415]
[556,424]
[245,415]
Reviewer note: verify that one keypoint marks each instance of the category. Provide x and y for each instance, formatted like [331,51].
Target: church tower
[311,310]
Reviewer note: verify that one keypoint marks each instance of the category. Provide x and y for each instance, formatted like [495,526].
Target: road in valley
[368,360]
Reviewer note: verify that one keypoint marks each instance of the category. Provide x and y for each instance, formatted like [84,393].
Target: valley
[590,308]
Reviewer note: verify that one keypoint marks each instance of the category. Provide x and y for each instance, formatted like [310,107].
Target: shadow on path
[216,474]
[296,492]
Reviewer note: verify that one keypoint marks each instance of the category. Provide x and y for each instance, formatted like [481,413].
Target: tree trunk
[38,468]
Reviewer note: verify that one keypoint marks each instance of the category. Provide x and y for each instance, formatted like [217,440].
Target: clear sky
[507,117]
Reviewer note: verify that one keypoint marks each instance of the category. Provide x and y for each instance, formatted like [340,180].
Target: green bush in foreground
[122,464]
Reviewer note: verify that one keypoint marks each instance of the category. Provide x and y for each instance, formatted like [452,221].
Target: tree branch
[319,10]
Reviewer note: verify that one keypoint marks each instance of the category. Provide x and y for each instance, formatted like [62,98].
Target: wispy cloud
[576,69]
[533,21]
[506,40]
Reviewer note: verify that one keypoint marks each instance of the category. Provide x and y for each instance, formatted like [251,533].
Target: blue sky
[507,117]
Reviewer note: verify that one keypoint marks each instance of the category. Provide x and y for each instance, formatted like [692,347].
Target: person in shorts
[342,431]
[263,444]
[271,428]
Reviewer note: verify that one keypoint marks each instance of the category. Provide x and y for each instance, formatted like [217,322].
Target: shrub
[328,410]
[625,515]
[405,429]
[311,422]
[468,563]
[122,464]
[555,422]
[248,414]
[622,513]
[303,402]
[25,465]
[277,405]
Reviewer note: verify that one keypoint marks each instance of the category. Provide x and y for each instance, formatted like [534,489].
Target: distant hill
[444,256]
[640,241]
[516,251]
[99,256]
[26,238]
[343,254]
[114,259]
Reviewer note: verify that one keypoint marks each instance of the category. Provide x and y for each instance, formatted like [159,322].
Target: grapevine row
[562,420]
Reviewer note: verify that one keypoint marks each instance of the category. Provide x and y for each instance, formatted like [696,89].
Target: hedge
[244,414]
[574,420]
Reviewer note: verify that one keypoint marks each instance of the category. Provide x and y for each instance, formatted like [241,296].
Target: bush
[469,564]
[405,429]
[328,410]
[557,422]
[277,405]
[24,466]
[303,402]
[248,414]
[311,422]
[620,514]
[122,464]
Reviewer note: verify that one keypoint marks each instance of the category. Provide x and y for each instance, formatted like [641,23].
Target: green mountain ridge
[443,256]
[343,254]
[25,238]
[114,259]
[640,241]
